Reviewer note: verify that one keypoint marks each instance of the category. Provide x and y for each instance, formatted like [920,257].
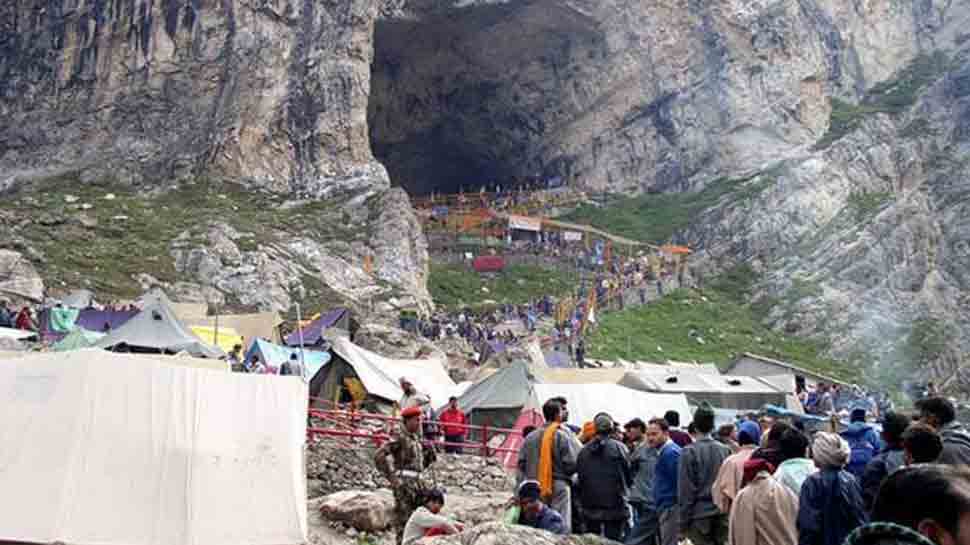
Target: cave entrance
[471,96]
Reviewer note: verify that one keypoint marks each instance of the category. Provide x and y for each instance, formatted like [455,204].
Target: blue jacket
[665,475]
[548,519]
[860,433]
[830,507]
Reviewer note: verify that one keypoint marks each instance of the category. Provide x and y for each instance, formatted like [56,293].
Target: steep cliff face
[625,95]
[157,94]
[268,91]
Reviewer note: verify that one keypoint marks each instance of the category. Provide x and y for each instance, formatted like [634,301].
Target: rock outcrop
[19,280]
[373,511]
[496,533]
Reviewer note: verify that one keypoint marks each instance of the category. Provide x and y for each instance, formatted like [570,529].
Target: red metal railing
[348,425]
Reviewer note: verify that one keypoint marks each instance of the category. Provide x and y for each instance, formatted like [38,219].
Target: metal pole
[299,329]
[215,332]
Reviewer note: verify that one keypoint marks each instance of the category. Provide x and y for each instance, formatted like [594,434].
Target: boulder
[497,533]
[19,278]
[363,510]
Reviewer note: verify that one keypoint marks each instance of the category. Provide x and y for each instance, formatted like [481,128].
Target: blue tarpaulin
[313,333]
[274,355]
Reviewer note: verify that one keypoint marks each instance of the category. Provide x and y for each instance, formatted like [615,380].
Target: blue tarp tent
[274,355]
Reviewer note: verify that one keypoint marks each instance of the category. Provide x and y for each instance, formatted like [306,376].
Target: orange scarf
[545,460]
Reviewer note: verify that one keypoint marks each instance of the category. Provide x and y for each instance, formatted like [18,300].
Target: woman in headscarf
[830,506]
[25,321]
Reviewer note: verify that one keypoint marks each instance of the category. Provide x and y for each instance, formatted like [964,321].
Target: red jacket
[451,417]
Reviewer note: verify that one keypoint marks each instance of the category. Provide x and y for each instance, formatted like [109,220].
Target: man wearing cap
[534,513]
[409,457]
[411,397]
[604,481]
[700,461]
[731,474]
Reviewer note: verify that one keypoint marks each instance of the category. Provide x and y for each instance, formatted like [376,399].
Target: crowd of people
[758,481]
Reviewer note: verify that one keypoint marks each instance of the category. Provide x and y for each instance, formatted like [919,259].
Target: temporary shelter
[156,329]
[225,338]
[16,334]
[498,399]
[355,373]
[77,339]
[274,356]
[757,366]
[88,318]
[124,451]
[312,334]
[726,391]
[258,325]
[582,376]
[623,404]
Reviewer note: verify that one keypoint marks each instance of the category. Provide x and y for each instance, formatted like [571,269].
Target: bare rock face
[622,96]
[19,280]
[273,93]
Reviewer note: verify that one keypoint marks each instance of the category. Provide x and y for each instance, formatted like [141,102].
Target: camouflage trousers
[407,498]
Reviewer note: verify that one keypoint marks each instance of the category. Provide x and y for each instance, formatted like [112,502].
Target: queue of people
[761,482]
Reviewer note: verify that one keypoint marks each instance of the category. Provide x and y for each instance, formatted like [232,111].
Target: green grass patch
[132,233]
[892,96]
[721,315]
[455,286]
[657,217]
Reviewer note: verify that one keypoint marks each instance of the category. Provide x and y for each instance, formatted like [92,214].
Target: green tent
[77,339]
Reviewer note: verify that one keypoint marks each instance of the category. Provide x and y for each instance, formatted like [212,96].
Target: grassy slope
[656,217]
[720,315]
[455,285]
[107,255]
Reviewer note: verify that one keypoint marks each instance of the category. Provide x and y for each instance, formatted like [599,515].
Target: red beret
[410,411]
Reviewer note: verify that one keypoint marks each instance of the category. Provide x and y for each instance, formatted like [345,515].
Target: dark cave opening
[467,97]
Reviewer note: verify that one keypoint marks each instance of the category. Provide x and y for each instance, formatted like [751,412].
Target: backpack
[863,451]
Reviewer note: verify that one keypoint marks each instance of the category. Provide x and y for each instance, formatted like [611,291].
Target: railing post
[485,439]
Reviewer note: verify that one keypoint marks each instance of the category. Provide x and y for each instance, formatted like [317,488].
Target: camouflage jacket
[408,453]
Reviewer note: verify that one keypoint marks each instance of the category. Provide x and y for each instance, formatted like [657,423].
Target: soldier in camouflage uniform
[410,458]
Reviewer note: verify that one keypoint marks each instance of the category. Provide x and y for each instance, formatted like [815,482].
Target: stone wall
[333,467]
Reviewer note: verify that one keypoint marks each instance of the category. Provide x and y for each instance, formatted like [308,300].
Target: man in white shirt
[426,522]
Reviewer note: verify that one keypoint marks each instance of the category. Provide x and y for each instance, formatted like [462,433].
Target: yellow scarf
[545,460]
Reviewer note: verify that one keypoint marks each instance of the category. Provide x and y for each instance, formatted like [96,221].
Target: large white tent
[113,449]
[621,403]
[380,376]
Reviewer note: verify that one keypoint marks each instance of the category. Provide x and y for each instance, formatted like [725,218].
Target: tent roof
[156,327]
[76,339]
[380,375]
[262,325]
[313,333]
[677,380]
[226,338]
[583,376]
[275,355]
[623,404]
[708,368]
[785,365]
[78,299]
[15,334]
[507,388]
[199,457]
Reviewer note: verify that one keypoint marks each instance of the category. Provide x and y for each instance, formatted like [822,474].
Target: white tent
[16,334]
[111,449]
[623,404]
[725,391]
[380,376]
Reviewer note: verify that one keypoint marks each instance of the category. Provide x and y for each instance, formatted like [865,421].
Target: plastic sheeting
[77,339]
[109,449]
[226,338]
[727,391]
[274,356]
[313,333]
[623,404]
[381,375]
[15,334]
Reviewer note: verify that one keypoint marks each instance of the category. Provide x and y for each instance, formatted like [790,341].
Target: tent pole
[299,329]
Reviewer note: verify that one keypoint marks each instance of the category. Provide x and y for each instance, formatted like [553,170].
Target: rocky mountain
[832,130]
